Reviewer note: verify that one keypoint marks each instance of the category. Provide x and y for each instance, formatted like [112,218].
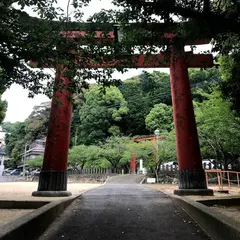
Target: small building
[2,143]
[2,152]
[2,137]
[35,149]
[2,156]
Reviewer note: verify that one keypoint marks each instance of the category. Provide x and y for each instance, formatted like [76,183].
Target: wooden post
[238,179]
[229,184]
[219,180]
[206,178]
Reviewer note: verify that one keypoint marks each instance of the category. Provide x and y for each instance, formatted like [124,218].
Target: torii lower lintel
[140,61]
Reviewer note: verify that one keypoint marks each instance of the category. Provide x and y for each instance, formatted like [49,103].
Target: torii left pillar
[53,176]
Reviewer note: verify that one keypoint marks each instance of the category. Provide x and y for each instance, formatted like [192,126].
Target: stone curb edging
[233,201]
[216,225]
[22,204]
[143,180]
[106,180]
[32,225]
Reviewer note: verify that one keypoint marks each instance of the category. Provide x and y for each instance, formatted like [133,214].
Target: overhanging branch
[214,22]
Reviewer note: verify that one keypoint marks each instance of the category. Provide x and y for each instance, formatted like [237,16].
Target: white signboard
[151,180]
[1,170]
[141,165]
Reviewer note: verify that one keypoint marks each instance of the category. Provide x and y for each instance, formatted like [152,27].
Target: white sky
[20,106]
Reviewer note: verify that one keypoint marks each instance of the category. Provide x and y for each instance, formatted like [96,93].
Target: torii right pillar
[192,179]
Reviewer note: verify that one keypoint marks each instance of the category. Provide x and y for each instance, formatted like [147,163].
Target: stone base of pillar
[52,184]
[51,194]
[52,181]
[192,179]
[199,192]
[192,182]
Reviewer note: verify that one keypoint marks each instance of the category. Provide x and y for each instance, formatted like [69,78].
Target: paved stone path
[125,179]
[123,212]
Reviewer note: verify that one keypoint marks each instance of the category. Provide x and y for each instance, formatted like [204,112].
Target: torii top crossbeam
[136,60]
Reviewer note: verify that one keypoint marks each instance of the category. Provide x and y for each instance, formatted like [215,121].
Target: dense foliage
[25,38]
[218,128]
[160,117]
[3,109]
[101,114]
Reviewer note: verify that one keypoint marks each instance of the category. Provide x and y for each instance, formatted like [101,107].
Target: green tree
[101,114]
[138,105]
[38,41]
[14,139]
[15,144]
[142,150]
[37,122]
[160,117]
[230,72]
[82,155]
[113,150]
[203,81]
[167,149]
[78,102]
[24,38]
[141,93]
[35,162]
[203,76]
[219,130]
[16,49]
[21,133]
[3,109]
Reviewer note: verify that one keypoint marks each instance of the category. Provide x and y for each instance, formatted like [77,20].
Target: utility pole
[157,133]
[24,159]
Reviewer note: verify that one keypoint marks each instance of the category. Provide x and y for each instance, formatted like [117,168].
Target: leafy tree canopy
[3,109]
[35,162]
[26,38]
[81,155]
[160,117]
[21,133]
[101,114]
[218,129]
[37,122]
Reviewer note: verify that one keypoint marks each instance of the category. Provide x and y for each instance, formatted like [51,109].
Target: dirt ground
[23,190]
[8,215]
[232,212]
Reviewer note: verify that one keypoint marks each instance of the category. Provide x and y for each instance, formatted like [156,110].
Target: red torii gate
[139,139]
[53,177]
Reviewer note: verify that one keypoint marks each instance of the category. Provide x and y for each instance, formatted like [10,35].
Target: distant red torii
[139,139]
